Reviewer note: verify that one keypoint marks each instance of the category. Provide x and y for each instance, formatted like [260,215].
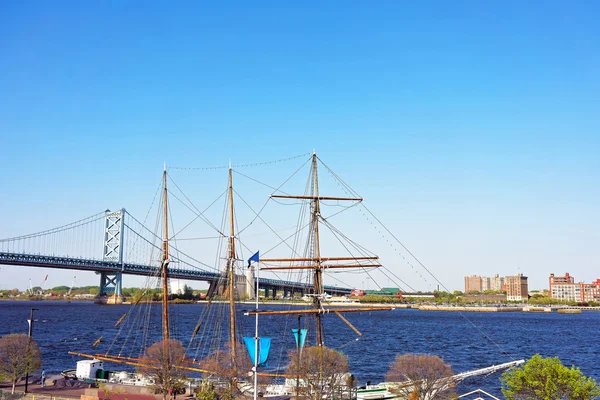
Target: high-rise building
[565,288]
[483,283]
[473,284]
[590,291]
[560,279]
[495,283]
[516,287]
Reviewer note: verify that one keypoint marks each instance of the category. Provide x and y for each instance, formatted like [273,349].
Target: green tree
[35,290]
[206,391]
[547,379]
[188,292]
[129,292]
[60,289]
[19,355]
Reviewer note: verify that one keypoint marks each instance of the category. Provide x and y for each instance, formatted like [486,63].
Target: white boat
[389,390]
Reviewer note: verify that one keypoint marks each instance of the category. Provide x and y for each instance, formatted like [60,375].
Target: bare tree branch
[19,355]
[166,373]
[421,377]
[322,371]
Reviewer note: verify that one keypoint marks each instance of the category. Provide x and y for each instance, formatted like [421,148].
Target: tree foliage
[547,379]
[19,355]
[421,376]
[187,293]
[206,391]
[322,371]
[163,369]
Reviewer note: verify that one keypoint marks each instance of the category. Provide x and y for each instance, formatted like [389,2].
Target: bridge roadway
[35,260]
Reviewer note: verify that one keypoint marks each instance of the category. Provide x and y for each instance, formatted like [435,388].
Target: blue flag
[264,346]
[302,337]
[253,258]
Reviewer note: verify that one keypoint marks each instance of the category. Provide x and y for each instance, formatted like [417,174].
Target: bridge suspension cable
[80,239]
[72,225]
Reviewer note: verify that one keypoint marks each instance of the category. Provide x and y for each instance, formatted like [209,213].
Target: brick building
[565,288]
[482,283]
[473,284]
[555,280]
[516,287]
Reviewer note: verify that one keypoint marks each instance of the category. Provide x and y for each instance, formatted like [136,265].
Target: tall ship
[226,349]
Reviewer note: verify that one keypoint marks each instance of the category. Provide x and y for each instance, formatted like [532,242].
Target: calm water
[466,341]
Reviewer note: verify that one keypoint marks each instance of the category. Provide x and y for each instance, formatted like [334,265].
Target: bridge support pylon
[250,283]
[111,283]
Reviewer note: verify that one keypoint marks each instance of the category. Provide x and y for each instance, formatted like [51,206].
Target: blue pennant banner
[264,346]
[302,337]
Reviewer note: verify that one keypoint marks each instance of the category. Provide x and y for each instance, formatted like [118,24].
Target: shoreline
[422,307]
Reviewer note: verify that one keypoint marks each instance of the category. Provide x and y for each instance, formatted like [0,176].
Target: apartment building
[565,288]
[555,280]
[492,283]
[483,283]
[516,287]
[473,284]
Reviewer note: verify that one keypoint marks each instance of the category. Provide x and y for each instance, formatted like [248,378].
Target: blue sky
[471,128]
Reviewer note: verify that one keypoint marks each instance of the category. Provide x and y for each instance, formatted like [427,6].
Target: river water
[466,341]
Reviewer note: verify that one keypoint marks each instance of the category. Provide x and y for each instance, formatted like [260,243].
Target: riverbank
[561,310]
[353,303]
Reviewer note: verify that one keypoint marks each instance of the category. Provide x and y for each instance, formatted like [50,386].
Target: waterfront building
[560,279]
[565,288]
[483,283]
[495,283]
[472,284]
[516,287]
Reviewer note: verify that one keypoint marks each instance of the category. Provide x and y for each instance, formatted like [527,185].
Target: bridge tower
[111,283]
[250,282]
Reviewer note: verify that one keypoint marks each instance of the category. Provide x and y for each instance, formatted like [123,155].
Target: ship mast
[165,263]
[316,262]
[231,274]
[318,272]
[166,365]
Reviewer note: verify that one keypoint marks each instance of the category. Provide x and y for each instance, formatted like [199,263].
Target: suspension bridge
[114,243]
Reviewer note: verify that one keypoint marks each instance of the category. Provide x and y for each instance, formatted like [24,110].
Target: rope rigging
[348,190]
[199,214]
[240,165]
[142,245]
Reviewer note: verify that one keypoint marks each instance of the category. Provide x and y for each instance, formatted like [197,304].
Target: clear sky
[471,127]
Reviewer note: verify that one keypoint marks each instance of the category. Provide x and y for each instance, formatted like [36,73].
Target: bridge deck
[36,260]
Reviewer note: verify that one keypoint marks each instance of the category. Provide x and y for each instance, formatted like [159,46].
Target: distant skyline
[470,128]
